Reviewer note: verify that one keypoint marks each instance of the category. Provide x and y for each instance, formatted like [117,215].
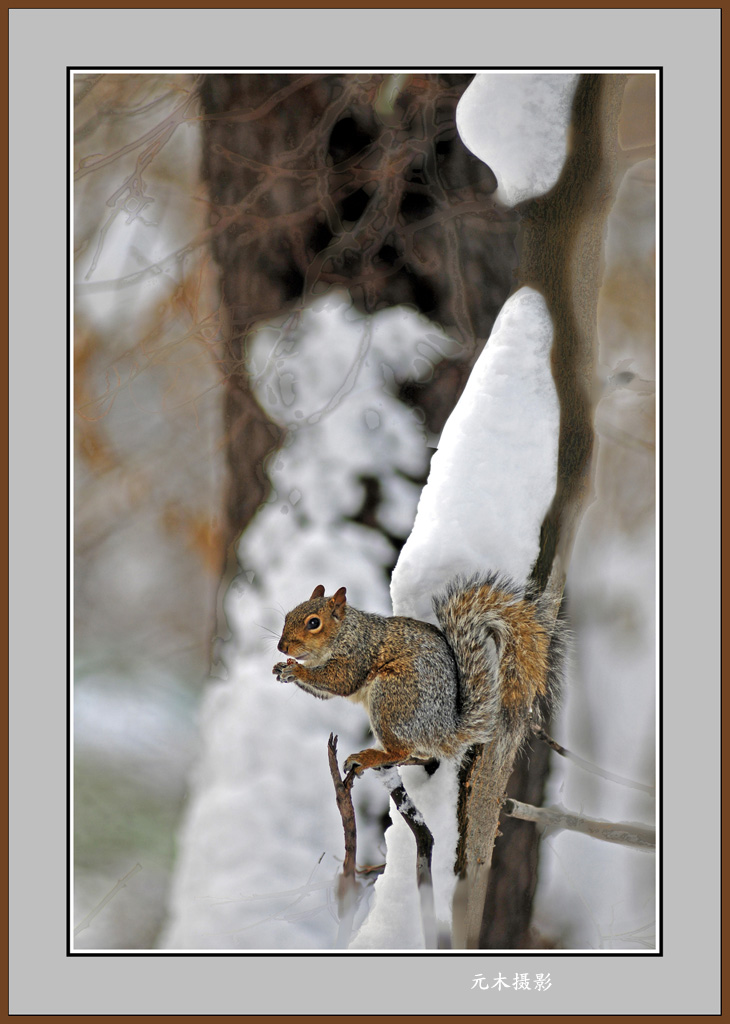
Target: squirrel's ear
[317,592]
[338,603]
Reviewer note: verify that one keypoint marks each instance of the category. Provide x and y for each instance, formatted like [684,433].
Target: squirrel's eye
[313,623]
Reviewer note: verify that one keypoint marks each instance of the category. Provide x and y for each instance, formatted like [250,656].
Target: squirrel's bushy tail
[509,652]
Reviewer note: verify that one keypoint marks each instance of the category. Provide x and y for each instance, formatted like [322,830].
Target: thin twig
[626,833]
[586,765]
[109,896]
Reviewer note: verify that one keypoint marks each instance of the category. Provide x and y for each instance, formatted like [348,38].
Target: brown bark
[561,254]
[347,884]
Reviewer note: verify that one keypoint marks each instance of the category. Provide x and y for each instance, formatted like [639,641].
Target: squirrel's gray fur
[496,659]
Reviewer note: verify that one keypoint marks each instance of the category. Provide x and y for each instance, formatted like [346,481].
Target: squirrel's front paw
[285,671]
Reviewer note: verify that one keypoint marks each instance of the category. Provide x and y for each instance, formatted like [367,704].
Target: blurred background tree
[149,472]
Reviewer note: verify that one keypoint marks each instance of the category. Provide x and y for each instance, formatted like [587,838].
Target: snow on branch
[424,849]
[494,474]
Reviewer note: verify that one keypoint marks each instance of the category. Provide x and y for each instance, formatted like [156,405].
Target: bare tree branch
[587,765]
[627,833]
[347,886]
[121,884]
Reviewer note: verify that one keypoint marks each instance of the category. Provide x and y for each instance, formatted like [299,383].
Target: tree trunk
[561,254]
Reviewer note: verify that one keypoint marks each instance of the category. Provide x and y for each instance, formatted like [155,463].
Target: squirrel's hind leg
[372,758]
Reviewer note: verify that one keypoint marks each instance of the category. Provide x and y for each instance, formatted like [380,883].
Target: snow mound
[518,125]
[494,474]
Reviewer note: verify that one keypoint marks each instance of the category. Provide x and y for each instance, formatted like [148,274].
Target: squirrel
[430,692]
